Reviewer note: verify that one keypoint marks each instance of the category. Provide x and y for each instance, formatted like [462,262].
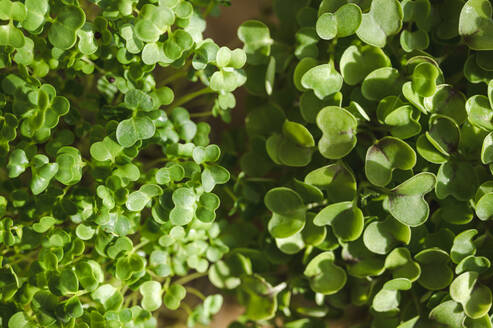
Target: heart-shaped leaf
[153,21]
[357,62]
[151,295]
[484,207]
[443,134]
[325,277]
[487,149]
[382,82]
[288,212]
[63,32]
[463,245]
[388,298]
[298,134]
[323,79]
[131,130]
[339,132]
[174,295]
[424,79]
[435,270]
[336,180]
[480,112]
[457,179]
[400,262]
[346,220]
[383,236]
[383,19]
[476,24]
[385,156]
[475,297]
[447,101]
[410,194]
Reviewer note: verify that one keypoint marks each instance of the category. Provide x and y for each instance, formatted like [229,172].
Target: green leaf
[410,194]
[324,80]
[336,180]
[476,25]
[380,83]
[35,14]
[399,261]
[210,153]
[105,150]
[298,134]
[484,207]
[487,149]
[444,134]
[151,295]
[153,21]
[475,297]
[131,130]
[259,298]
[63,32]
[108,296]
[173,296]
[70,165]
[456,179]
[346,220]
[384,19]
[18,163]
[325,277]
[447,101]
[137,200]
[357,62]
[213,175]
[388,298]
[255,36]
[11,36]
[435,270]
[339,132]
[327,26]
[480,112]
[424,79]
[137,99]
[384,157]
[20,320]
[288,212]
[382,236]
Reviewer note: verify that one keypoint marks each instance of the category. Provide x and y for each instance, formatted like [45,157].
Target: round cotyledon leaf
[382,236]
[410,194]
[339,132]
[475,297]
[385,156]
[346,220]
[325,277]
[476,24]
[336,180]
[323,79]
[288,212]
[388,298]
[435,269]
[63,32]
[383,19]
[357,62]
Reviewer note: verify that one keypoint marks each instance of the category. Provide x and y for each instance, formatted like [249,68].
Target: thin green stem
[195,292]
[201,114]
[190,277]
[189,97]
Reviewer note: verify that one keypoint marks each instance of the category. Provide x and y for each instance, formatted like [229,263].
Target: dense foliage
[360,184]
[107,183]
[369,163]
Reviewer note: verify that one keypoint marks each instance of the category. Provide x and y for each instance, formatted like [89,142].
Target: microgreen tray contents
[354,185]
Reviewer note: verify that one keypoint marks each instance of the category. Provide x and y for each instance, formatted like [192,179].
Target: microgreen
[361,179]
